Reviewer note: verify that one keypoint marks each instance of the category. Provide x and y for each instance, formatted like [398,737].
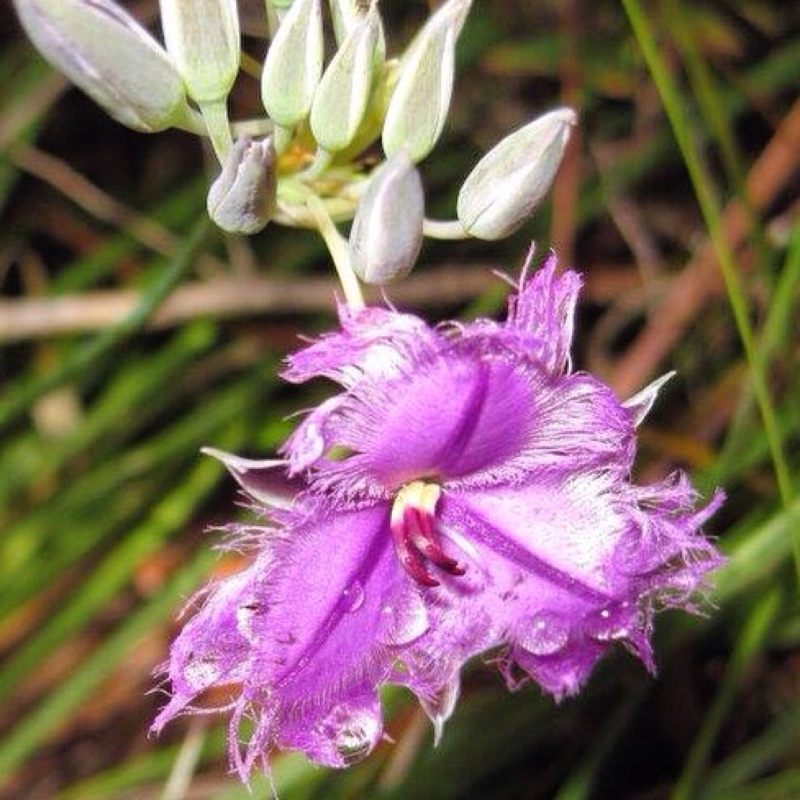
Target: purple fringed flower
[464,492]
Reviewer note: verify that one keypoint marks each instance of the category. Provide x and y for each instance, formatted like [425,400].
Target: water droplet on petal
[404,623]
[610,623]
[352,733]
[353,596]
[545,634]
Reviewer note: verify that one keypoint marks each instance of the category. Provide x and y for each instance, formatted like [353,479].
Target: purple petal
[544,307]
[472,415]
[310,630]
[565,570]
[372,341]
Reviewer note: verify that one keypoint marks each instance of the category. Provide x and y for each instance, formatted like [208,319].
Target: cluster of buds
[311,160]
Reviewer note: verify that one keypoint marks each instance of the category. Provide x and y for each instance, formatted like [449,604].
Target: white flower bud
[343,94]
[420,102]
[386,236]
[294,64]
[110,56]
[510,181]
[243,198]
[202,38]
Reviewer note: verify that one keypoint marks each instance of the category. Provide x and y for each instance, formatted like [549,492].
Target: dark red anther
[422,533]
[410,557]
[415,537]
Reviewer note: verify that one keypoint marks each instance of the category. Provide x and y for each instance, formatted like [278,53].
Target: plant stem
[337,246]
[713,220]
[215,116]
[443,229]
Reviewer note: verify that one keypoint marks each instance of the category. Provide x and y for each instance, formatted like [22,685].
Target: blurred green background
[132,334]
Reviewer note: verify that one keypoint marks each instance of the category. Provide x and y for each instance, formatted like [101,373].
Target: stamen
[414,532]
[421,531]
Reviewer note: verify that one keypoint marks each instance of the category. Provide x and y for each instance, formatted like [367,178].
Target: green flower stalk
[203,40]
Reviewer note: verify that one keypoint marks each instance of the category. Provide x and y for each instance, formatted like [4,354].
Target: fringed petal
[305,637]
[373,342]
[544,307]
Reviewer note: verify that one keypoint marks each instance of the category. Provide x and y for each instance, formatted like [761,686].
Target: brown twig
[231,298]
[688,293]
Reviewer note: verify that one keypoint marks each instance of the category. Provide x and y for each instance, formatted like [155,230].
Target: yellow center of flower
[413,527]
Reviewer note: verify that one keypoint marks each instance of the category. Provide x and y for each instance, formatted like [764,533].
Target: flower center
[413,526]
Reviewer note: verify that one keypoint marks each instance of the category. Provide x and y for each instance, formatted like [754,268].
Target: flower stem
[749,646]
[337,246]
[215,115]
[709,208]
[443,229]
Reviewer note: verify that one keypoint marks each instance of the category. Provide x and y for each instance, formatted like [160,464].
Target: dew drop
[610,623]
[353,733]
[545,634]
[403,624]
[353,596]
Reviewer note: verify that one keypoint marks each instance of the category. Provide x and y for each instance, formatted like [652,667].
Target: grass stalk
[710,209]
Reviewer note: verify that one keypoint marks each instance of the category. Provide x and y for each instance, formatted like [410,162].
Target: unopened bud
[280,6]
[510,181]
[243,198]
[420,102]
[345,16]
[386,236]
[110,56]
[294,64]
[343,94]
[202,38]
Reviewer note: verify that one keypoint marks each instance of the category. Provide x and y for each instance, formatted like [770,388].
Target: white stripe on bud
[343,94]
[203,40]
[386,236]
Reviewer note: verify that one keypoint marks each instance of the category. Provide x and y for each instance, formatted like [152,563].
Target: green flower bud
[294,64]
[343,94]
[244,196]
[345,15]
[280,6]
[510,181]
[110,56]
[202,37]
[420,102]
[386,236]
